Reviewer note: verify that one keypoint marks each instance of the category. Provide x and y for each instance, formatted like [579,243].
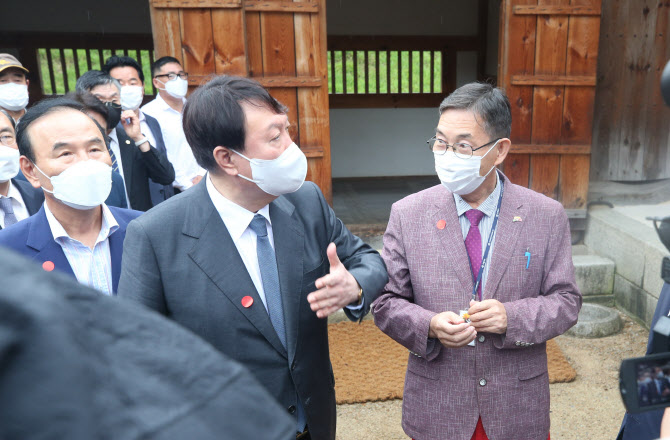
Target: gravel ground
[590,404]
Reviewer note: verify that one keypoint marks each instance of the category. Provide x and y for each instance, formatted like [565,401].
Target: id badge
[463,313]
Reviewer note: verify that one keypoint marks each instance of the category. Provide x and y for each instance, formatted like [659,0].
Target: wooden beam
[268,81]
[281,6]
[555,10]
[553,80]
[316,151]
[196,3]
[549,149]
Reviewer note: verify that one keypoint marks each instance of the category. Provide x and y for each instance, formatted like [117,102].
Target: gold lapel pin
[127,141]
[516,219]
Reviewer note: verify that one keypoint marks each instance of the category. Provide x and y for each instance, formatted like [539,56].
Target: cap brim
[14,65]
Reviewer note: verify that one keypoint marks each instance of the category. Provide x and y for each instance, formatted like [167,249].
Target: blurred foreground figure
[78,365]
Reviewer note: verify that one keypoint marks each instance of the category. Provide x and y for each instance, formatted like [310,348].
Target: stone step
[594,274]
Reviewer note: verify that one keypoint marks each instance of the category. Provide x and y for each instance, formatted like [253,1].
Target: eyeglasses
[461,149]
[7,140]
[172,76]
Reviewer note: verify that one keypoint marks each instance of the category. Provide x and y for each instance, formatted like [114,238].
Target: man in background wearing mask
[252,259]
[171,83]
[13,86]
[18,199]
[132,154]
[480,277]
[63,152]
[129,74]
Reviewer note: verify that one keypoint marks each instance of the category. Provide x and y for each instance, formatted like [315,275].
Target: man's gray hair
[94,78]
[486,102]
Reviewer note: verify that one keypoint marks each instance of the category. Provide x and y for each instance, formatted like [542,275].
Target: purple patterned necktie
[473,244]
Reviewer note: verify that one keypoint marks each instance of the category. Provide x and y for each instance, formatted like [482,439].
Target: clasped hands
[485,316]
[336,290]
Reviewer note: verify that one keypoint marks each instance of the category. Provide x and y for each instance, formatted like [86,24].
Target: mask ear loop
[492,146]
[38,169]
[250,161]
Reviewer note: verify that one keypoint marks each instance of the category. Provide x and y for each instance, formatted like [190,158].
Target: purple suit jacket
[503,378]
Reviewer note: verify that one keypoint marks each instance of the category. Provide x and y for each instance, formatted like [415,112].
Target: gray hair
[94,78]
[485,101]
[11,120]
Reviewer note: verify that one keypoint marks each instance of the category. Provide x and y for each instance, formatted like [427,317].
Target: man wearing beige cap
[13,86]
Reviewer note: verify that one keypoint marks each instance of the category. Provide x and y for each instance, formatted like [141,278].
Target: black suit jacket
[139,167]
[32,197]
[180,260]
[78,365]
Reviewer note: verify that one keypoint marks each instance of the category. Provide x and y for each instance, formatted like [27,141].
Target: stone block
[635,300]
[652,281]
[594,274]
[606,239]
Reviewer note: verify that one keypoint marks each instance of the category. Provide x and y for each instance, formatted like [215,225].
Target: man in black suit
[77,365]
[252,259]
[132,154]
[129,74]
[18,199]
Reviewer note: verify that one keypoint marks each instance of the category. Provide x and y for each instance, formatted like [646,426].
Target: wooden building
[363,79]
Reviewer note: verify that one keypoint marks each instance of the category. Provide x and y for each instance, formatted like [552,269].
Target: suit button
[482,338]
[293,366]
[482,382]
[291,409]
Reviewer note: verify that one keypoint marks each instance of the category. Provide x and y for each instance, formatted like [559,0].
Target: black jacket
[139,167]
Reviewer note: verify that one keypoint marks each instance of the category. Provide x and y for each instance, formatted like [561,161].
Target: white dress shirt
[179,152]
[91,267]
[18,205]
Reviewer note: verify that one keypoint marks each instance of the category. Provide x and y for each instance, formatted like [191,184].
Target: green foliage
[64,80]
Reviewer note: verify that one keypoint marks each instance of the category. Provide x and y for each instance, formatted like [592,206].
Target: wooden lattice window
[393,71]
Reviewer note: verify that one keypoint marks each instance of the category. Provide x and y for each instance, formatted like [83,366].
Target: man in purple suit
[481,248]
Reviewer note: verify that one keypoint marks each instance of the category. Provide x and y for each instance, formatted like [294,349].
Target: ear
[502,148]
[157,84]
[30,172]
[27,82]
[224,158]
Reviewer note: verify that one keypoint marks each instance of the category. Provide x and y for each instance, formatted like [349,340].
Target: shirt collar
[141,115]
[164,105]
[235,217]
[112,137]
[13,192]
[108,227]
[488,207]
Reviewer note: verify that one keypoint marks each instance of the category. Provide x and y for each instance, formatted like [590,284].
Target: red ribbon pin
[247,301]
[48,266]
[441,224]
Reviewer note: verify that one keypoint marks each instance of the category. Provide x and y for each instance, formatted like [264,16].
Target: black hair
[213,115]
[116,61]
[485,101]
[156,66]
[36,112]
[11,120]
[94,78]
[91,104]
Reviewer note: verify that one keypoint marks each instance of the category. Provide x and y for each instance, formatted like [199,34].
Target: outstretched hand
[336,290]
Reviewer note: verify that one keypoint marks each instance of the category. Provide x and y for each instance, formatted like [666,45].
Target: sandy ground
[590,404]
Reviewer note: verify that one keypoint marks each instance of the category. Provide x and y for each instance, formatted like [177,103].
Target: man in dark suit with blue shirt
[251,259]
[63,151]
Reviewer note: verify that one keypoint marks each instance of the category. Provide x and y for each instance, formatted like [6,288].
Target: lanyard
[488,247]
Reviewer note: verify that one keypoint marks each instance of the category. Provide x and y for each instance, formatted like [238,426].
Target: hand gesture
[451,330]
[488,316]
[337,289]
[131,124]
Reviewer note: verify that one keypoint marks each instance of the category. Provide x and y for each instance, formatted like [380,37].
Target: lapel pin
[441,224]
[247,301]
[516,219]
[127,141]
[48,266]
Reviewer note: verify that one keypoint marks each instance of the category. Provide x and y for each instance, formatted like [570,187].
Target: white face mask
[13,97]
[176,88]
[9,163]
[131,97]
[461,176]
[282,175]
[83,186]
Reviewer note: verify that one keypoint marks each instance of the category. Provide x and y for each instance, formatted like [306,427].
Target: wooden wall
[631,129]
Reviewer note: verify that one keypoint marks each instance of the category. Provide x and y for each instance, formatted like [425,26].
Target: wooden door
[279,43]
[548,59]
